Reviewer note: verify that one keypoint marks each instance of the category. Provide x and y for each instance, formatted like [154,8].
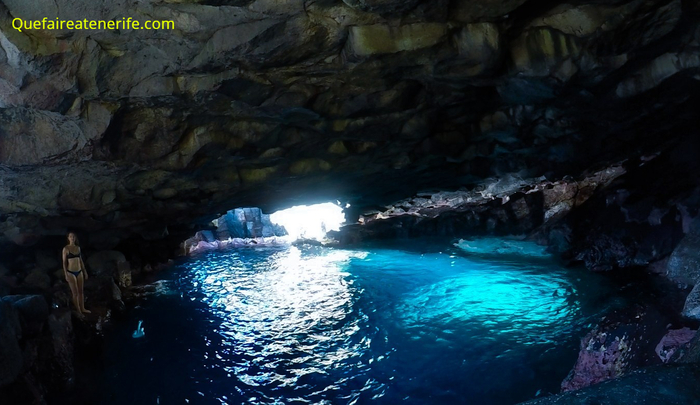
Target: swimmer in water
[74,271]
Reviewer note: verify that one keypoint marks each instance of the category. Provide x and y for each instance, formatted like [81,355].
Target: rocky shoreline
[50,353]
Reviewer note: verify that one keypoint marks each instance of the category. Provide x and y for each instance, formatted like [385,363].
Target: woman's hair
[77,243]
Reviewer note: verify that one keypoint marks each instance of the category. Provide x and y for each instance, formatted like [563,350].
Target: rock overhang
[270,103]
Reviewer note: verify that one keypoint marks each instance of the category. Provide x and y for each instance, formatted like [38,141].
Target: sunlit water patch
[420,324]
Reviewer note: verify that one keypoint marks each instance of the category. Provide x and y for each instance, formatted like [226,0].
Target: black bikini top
[71,255]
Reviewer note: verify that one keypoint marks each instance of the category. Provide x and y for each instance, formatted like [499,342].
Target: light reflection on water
[281,314]
[384,325]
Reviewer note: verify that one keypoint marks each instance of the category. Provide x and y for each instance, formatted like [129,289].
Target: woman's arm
[82,264]
[64,261]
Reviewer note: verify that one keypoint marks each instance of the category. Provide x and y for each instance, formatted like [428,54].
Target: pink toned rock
[622,341]
[672,341]
[601,358]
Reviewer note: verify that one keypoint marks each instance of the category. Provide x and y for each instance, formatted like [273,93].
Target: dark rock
[692,303]
[38,278]
[102,291]
[10,353]
[104,262]
[124,274]
[33,312]
[684,264]
[105,240]
[689,353]
[62,363]
[667,384]
[48,260]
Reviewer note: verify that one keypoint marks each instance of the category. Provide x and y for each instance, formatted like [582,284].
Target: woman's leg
[73,283]
[81,296]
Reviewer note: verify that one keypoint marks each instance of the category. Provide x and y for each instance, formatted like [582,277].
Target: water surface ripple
[421,324]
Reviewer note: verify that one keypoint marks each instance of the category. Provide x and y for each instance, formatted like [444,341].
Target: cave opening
[311,222]
[251,226]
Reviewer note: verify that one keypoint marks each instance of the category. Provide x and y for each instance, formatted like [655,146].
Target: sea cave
[349,202]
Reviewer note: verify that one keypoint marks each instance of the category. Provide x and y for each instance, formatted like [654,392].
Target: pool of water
[477,322]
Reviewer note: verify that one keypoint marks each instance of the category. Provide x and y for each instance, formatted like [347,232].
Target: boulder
[684,264]
[38,278]
[104,262]
[691,309]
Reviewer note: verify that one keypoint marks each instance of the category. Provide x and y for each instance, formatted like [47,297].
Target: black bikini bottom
[74,273]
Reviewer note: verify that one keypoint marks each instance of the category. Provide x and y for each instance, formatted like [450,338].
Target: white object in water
[139,332]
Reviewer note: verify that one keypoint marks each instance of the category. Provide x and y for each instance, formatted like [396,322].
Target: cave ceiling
[274,103]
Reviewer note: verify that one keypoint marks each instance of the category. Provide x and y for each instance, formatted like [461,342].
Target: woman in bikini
[74,270]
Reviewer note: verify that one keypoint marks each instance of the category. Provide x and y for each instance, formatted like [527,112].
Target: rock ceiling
[278,102]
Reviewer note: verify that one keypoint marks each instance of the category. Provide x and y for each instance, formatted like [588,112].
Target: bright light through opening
[310,221]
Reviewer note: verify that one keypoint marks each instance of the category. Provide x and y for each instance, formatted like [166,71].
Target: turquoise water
[480,322]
